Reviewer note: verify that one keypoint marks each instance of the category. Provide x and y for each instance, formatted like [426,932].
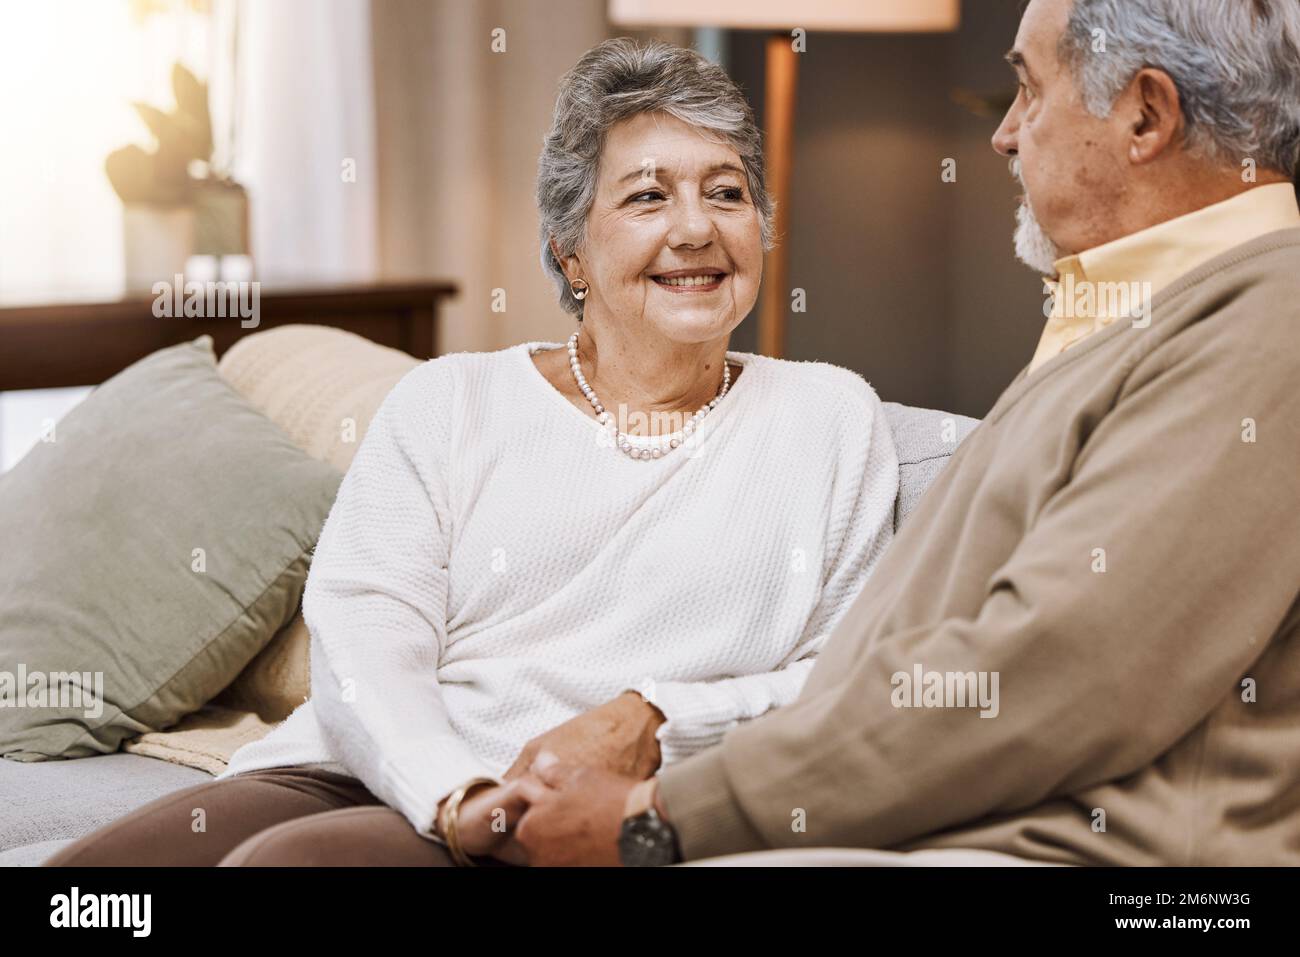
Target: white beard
[1033,247]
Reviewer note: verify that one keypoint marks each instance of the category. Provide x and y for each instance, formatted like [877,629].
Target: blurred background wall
[911,280]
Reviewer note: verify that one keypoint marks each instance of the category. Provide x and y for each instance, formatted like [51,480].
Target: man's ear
[1159,115]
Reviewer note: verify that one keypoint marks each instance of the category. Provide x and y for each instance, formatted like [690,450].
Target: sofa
[301,376]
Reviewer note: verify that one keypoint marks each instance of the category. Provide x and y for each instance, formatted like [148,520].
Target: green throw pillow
[147,553]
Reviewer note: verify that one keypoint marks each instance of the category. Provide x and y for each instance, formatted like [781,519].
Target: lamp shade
[867,16]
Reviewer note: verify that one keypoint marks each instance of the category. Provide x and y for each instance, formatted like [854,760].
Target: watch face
[646,841]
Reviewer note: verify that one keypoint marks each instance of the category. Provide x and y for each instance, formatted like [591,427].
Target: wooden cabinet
[54,345]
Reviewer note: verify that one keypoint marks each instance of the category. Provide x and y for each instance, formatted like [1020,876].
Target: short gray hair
[613,81]
[1236,64]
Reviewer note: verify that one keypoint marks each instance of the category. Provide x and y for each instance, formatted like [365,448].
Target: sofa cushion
[924,440]
[863,857]
[61,800]
[322,386]
[151,550]
[32,855]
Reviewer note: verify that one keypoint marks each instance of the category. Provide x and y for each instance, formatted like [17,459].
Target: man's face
[1069,161]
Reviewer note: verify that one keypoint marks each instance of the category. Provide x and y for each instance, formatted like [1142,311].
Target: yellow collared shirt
[1129,270]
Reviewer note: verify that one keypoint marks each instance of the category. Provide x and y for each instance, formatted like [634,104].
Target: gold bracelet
[452,814]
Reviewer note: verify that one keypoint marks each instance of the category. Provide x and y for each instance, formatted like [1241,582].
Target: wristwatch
[646,840]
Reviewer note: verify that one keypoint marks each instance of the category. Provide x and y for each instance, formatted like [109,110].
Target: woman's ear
[569,265]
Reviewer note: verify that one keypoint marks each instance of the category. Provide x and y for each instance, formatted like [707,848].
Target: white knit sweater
[492,567]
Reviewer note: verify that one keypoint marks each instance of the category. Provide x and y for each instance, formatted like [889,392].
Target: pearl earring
[579,288]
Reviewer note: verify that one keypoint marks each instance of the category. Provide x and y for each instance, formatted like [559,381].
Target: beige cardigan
[1119,541]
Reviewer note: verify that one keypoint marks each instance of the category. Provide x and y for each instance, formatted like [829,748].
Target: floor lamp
[781,18]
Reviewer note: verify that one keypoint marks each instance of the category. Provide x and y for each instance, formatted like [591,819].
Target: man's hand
[619,737]
[574,816]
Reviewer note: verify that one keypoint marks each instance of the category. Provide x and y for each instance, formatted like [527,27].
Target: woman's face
[671,204]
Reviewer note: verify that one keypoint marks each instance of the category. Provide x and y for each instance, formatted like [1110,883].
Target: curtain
[69,70]
[460,128]
[306,117]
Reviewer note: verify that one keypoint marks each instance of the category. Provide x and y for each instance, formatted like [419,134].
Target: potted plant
[175,204]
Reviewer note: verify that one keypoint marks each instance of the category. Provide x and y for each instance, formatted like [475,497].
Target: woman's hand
[486,821]
[618,736]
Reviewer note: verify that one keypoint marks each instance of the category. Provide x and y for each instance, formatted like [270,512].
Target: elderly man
[1114,553]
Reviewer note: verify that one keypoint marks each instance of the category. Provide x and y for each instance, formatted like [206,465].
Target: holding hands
[563,799]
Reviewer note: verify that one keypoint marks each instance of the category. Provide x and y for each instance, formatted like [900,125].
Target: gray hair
[1236,64]
[613,81]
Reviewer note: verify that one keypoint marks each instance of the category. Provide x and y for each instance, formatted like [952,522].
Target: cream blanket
[322,386]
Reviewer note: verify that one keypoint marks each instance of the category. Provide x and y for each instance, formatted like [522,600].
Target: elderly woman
[617,548]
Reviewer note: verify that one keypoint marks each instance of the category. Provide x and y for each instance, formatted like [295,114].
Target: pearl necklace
[621,441]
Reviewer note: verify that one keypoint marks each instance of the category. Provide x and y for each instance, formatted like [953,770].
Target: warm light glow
[839,15]
[69,70]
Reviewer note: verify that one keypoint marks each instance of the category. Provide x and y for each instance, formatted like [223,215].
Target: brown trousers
[286,817]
